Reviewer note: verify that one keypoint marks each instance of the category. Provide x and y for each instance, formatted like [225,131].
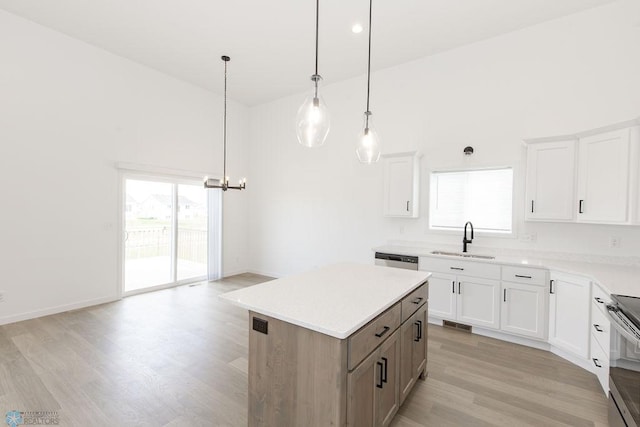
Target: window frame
[456,231]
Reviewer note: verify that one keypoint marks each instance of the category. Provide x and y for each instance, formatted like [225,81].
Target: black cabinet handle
[379,384]
[407,206]
[384,371]
[532,206]
[418,337]
[417,301]
[523,277]
[384,331]
[551,286]
[599,300]
[580,206]
[598,328]
[505,295]
[456,268]
[597,363]
[459,290]
[453,286]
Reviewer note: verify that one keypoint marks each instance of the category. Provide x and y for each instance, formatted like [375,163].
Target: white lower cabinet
[524,310]
[569,310]
[478,302]
[469,300]
[600,338]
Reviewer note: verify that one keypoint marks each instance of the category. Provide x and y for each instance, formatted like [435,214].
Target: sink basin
[462,255]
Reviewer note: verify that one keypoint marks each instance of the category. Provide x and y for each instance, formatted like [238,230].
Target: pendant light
[368,148]
[312,121]
[224,182]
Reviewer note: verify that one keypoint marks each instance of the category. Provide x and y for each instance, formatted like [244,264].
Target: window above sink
[482,196]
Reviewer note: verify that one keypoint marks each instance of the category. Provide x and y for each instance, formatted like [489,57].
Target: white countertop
[336,300]
[621,277]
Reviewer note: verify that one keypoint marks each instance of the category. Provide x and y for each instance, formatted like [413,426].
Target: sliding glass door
[166,232]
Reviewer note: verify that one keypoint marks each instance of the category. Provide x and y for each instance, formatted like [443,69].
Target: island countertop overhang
[335,300]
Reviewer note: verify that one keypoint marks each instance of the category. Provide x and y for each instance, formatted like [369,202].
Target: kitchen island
[339,345]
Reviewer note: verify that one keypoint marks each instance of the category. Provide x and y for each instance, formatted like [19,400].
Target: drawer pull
[379,384]
[597,363]
[599,300]
[417,301]
[597,328]
[456,268]
[384,331]
[523,277]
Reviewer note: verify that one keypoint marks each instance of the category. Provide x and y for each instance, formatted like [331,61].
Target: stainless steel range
[624,373]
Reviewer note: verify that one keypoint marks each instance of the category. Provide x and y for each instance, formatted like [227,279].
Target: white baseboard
[576,360]
[55,310]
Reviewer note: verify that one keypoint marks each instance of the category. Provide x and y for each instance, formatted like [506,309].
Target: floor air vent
[458,326]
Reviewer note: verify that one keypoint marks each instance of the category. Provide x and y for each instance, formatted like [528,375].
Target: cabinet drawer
[600,365]
[454,266]
[600,298]
[414,300]
[533,276]
[370,336]
[601,327]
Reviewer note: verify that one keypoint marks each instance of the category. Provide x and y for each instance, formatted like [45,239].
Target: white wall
[68,113]
[312,207]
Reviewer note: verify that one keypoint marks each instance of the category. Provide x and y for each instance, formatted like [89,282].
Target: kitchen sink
[463,255]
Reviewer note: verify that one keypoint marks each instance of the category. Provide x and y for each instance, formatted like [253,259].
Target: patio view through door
[166,224]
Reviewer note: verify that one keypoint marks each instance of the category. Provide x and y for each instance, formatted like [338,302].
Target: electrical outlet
[614,242]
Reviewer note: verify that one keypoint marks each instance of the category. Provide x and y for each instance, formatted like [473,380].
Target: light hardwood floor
[178,357]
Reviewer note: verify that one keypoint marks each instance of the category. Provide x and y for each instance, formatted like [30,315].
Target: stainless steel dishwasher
[398,261]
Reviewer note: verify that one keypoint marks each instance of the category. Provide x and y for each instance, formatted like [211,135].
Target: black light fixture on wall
[368,148]
[224,182]
[313,121]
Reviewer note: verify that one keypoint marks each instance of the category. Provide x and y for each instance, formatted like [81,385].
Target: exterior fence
[151,242]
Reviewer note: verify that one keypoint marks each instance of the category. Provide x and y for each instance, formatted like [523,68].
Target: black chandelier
[224,182]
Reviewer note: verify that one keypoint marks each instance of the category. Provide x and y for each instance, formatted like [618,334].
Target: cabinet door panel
[401,185]
[523,309]
[479,302]
[361,389]
[569,316]
[550,181]
[442,297]
[388,399]
[419,351]
[408,332]
[603,178]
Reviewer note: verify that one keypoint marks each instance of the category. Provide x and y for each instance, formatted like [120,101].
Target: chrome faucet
[464,239]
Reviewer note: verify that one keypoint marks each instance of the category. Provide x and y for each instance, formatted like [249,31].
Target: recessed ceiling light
[356,29]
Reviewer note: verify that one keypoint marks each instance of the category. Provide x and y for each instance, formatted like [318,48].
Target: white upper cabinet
[401,181]
[550,188]
[589,177]
[603,177]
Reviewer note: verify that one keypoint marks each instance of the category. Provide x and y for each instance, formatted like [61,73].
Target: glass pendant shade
[313,119]
[368,148]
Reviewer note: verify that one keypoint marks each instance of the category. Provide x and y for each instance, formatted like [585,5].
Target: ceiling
[271,43]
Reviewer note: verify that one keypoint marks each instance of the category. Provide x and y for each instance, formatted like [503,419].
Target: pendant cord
[317,24]
[369,66]
[224,126]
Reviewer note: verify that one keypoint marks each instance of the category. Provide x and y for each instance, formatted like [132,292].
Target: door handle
[418,323]
[407,206]
[597,363]
[505,295]
[453,286]
[459,290]
[384,371]
[598,328]
[532,206]
[379,384]
[551,286]
[580,203]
